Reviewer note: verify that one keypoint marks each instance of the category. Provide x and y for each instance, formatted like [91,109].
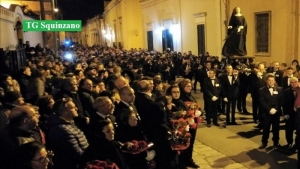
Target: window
[262,31]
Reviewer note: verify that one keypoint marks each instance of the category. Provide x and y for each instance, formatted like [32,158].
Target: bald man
[22,121]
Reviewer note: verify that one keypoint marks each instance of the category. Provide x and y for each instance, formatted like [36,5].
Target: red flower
[143,144]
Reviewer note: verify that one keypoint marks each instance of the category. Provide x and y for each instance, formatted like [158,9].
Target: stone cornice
[149,3]
[200,14]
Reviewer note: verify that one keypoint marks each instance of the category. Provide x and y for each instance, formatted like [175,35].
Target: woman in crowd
[186,96]
[32,155]
[129,129]
[104,147]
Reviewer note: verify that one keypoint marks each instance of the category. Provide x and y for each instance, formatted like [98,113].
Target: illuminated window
[262,31]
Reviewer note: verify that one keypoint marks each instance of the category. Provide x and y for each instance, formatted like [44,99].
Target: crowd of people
[65,111]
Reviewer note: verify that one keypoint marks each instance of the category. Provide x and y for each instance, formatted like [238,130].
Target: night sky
[80,9]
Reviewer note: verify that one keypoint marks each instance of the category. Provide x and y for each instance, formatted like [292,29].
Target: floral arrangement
[179,136]
[136,146]
[194,109]
[97,164]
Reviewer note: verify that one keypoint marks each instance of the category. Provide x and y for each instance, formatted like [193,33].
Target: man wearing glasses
[19,131]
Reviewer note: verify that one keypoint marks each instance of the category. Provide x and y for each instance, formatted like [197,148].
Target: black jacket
[67,141]
[268,101]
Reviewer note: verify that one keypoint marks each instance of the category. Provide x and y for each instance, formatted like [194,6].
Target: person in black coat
[277,73]
[243,92]
[204,74]
[165,156]
[104,147]
[143,103]
[212,94]
[286,80]
[129,129]
[185,95]
[271,100]
[69,89]
[86,95]
[289,112]
[230,88]
[197,67]
[66,140]
[104,109]
[257,80]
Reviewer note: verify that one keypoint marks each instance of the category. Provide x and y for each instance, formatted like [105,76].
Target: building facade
[43,11]
[11,32]
[201,26]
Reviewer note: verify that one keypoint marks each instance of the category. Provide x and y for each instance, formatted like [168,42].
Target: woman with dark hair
[129,129]
[235,43]
[104,147]
[186,96]
[296,64]
[174,92]
[32,155]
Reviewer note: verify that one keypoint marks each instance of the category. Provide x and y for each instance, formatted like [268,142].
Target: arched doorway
[20,35]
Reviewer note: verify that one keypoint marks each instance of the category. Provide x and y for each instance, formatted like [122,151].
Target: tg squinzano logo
[52,25]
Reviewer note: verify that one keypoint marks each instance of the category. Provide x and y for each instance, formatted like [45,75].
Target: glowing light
[5,4]
[103,31]
[175,30]
[107,36]
[159,30]
[68,56]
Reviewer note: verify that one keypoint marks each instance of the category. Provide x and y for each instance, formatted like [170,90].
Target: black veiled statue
[235,42]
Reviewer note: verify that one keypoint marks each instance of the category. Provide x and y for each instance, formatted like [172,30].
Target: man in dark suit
[144,103]
[288,110]
[244,78]
[212,93]
[186,69]
[286,80]
[271,101]
[230,88]
[277,73]
[204,74]
[257,80]
[104,111]
[197,67]
[127,99]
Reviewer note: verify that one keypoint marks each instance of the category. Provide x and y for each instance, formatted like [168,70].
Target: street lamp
[55,10]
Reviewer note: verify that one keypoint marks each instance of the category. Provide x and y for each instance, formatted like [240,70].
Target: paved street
[236,147]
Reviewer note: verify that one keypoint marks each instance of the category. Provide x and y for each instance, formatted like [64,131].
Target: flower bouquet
[194,110]
[97,164]
[136,147]
[179,136]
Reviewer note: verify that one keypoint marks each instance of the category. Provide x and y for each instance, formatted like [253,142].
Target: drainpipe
[296,50]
